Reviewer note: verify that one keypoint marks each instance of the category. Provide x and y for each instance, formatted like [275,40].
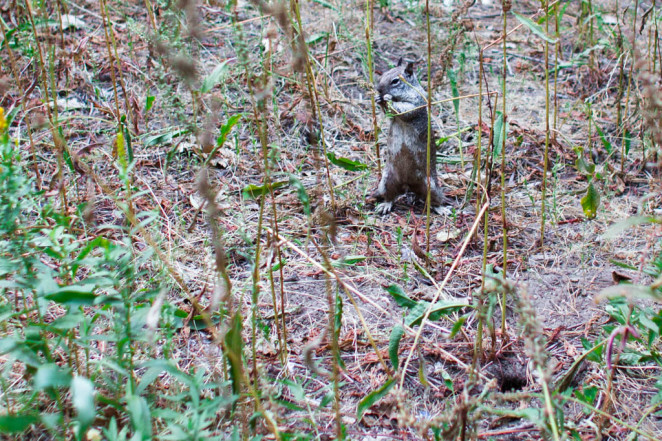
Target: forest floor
[563,276]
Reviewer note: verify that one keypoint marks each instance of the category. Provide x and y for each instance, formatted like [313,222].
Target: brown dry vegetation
[208,251]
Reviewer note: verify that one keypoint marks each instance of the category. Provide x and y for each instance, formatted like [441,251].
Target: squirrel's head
[397,84]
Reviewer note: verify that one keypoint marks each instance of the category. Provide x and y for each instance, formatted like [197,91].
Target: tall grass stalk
[621,71]
[333,334]
[557,52]
[111,59]
[625,132]
[368,38]
[543,207]
[478,345]
[152,19]
[506,5]
[428,159]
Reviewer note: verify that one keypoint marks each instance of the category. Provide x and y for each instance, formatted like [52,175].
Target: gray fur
[401,94]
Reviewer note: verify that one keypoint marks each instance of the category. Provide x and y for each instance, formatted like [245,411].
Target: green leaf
[52,421]
[630,292]
[448,380]
[605,142]
[233,351]
[316,38]
[337,323]
[583,167]
[289,405]
[348,261]
[128,143]
[400,297]
[155,368]
[617,228]
[255,191]
[453,80]
[149,102]
[623,265]
[326,399]
[498,134]
[215,77]
[16,423]
[439,309]
[373,397]
[296,389]
[458,325]
[50,376]
[534,27]
[345,163]
[82,398]
[65,152]
[422,376]
[98,242]
[301,193]
[591,201]
[587,395]
[74,295]
[68,321]
[227,128]
[394,345]
[592,354]
[141,419]
[165,137]
[325,4]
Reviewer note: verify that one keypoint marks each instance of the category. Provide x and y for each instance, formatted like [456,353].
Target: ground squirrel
[401,94]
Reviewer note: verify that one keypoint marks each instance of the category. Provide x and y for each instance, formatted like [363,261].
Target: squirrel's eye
[395,81]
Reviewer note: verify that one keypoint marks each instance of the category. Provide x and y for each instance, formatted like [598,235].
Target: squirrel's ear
[409,70]
[400,62]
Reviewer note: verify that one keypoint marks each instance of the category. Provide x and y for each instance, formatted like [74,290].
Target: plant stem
[627,97]
[368,37]
[506,6]
[428,159]
[547,131]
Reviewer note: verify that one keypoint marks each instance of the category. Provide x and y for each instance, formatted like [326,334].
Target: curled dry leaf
[448,234]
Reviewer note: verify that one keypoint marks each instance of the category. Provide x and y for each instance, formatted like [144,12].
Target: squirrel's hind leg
[387,190]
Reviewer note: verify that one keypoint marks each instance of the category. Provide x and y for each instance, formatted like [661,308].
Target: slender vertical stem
[478,155]
[478,345]
[428,159]
[150,12]
[368,37]
[547,131]
[557,50]
[621,70]
[506,8]
[627,97]
[111,58]
[590,37]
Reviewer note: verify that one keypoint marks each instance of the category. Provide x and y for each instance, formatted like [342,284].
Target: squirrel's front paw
[384,100]
[384,208]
